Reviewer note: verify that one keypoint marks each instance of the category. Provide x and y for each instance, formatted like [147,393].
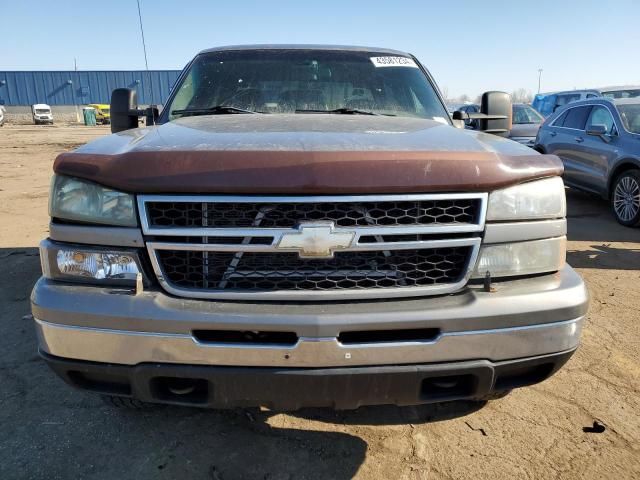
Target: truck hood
[304,153]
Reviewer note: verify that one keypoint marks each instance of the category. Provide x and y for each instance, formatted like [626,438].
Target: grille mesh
[286,215]
[251,271]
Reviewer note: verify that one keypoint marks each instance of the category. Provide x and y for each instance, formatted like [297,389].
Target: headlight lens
[529,201]
[79,200]
[80,263]
[521,258]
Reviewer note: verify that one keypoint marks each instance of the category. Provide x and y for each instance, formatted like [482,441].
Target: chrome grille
[312,248]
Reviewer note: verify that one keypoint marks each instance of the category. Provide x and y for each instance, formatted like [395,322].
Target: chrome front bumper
[521,318]
[132,348]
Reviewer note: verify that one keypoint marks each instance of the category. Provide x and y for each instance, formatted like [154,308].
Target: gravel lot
[50,431]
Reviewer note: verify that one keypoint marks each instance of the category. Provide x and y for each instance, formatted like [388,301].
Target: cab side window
[601,115]
[576,118]
[559,122]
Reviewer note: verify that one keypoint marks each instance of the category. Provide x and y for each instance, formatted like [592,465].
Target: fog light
[80,263]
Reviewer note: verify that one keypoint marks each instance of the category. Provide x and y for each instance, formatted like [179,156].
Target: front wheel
[625,198]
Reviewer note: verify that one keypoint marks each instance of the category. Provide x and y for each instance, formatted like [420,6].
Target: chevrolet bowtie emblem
[316,240]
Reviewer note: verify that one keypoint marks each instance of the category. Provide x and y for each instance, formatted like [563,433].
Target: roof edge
[301,46]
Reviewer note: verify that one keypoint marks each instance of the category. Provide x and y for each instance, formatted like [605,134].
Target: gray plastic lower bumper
[290,389]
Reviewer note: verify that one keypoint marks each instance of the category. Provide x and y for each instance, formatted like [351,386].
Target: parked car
[41,113]
[598,140]
[2,117]
[627,91]
[524,125]
[471,123]
[547,103]
[349,247]
[103,115]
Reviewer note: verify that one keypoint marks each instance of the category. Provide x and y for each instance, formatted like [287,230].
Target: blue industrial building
[83,87]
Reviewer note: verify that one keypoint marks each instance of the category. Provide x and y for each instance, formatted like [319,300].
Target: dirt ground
[50,431]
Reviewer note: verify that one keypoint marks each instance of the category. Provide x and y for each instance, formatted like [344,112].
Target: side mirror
[497,108]
[599,130]
[596,130]
[124,110]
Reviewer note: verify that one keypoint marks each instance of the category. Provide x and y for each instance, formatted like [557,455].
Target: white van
[41,113]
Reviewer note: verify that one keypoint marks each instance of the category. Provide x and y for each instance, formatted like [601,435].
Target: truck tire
[127,403]
[625,198]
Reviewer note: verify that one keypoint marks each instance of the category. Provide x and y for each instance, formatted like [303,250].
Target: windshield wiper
[217,110]
[343,111]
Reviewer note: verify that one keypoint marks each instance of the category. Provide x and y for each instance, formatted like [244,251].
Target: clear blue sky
[469,46]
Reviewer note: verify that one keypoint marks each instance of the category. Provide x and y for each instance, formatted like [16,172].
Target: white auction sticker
[393,62]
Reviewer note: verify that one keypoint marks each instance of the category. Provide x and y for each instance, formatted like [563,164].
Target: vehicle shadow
[605,257]
[392,415]
[589,219]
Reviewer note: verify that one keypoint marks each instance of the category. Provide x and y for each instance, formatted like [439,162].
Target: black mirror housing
[124,110]
[498,106]
[597,130]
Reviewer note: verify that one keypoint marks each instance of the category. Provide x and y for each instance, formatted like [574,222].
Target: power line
[144,48]
[144,45]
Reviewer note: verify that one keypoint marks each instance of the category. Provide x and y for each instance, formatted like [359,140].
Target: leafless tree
[521,95]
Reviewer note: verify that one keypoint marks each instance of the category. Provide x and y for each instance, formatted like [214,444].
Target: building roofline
[91,71]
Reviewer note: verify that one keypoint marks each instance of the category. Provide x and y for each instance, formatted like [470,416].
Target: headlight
[521,258]
[88,264]
[83,201]
[529,201]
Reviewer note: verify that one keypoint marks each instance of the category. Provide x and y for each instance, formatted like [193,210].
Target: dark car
[598,141]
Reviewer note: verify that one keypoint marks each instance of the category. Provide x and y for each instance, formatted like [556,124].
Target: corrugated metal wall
[83,87]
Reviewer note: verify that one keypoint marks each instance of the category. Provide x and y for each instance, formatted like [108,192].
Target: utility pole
[539,78]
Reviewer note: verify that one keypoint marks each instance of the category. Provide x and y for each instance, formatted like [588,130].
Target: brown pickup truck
[306,226]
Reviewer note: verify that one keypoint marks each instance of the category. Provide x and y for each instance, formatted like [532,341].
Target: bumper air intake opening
[523,376]
[100,382]
[180,390]
[240,337]
[389,336]
[450,386]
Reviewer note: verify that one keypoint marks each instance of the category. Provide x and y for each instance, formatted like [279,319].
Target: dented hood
[304,154]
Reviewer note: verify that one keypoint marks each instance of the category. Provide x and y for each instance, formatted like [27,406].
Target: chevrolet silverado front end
[305,227]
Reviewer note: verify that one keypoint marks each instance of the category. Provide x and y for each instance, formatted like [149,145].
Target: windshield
[631,93]
[307,81]
[42,110]
[525,114]
[630,115]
